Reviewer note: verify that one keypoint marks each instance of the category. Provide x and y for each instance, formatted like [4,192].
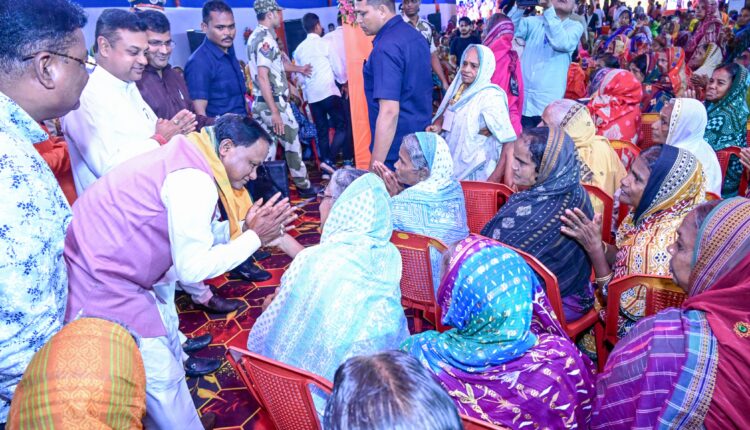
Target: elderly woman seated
[687,367]
[433,202]
[507,360]
[600,164]
[546,164]
[663,185]
[340,298]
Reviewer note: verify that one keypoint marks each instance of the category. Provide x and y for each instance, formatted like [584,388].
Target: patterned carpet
[223,392]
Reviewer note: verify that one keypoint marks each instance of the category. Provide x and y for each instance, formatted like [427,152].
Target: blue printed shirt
[33,218]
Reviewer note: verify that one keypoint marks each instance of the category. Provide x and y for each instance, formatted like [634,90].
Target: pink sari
[507,69]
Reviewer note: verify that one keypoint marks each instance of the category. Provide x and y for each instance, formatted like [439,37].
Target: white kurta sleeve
[190,197]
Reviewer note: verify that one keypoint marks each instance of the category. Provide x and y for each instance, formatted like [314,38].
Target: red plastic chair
[626,151]
[712,196]
[574,328]
[471,423]
[724,155]
[661,293]
[417,289]
[282,390]
[483,200]
[645,138]
[607,213]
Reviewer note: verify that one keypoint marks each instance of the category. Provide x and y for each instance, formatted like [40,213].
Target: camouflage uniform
[426,29]
[263,51]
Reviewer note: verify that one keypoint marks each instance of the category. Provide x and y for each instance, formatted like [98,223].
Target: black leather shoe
[260,255]
[250,271]
[312,191]
[196,366]
[197,343]
[219,305]
[208,420]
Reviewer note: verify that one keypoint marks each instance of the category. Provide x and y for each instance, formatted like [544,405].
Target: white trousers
[168,401]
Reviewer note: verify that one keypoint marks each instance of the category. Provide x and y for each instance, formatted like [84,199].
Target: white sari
[481,105]
[686,128]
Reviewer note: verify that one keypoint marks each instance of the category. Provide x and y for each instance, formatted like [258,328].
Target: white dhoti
[168,401]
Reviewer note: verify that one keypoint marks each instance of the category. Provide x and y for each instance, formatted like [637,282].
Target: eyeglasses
[156,44]
[86,64]
[322,196]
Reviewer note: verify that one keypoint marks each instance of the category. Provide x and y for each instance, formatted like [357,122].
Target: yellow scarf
[235,202]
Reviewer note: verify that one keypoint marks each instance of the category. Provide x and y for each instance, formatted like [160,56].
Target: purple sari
[507,361]
[687,368]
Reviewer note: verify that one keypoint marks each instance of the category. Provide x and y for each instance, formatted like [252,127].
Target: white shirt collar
[107,78]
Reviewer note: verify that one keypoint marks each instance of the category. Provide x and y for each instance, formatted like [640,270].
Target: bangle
[159,138]
[604,246]
[604,280]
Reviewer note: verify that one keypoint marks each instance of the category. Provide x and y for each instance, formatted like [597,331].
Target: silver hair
[341,179]
[411,143]
[557,110]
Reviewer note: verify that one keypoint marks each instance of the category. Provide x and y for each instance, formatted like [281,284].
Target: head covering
[675,186]
[709,30]
[262,6]
[530,219]
[505,342]
[481,104]
[596,80]
[458,93]
[678,74]
[88,375]
[619,46]
[507,73]
[616,106]
[600,164]
[309,323]
[720,287]
[669,176]
[686,127]
[722,243]
[727,126]
[434,207]
[235,202]
[710,61]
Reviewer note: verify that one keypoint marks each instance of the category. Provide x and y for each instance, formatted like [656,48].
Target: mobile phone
[527,3]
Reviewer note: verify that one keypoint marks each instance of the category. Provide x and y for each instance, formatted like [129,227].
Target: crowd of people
[124,179]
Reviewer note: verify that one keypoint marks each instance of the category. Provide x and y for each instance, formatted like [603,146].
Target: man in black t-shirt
[465,38]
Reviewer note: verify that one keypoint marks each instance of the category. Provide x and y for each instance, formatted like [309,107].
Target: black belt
[260,99]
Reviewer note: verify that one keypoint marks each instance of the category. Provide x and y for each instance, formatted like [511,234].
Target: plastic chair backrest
[471,423]
[548,279]
[607,214]
[646,139]
[417,289]
[661,293]
[724,155]
[626,151]
[483,200]
[282,390]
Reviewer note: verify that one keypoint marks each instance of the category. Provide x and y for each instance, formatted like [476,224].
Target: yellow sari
[600,164]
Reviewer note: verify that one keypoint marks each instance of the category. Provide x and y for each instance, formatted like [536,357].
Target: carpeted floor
[223,392]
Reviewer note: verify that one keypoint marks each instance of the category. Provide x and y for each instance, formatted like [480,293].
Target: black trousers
[329,113]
